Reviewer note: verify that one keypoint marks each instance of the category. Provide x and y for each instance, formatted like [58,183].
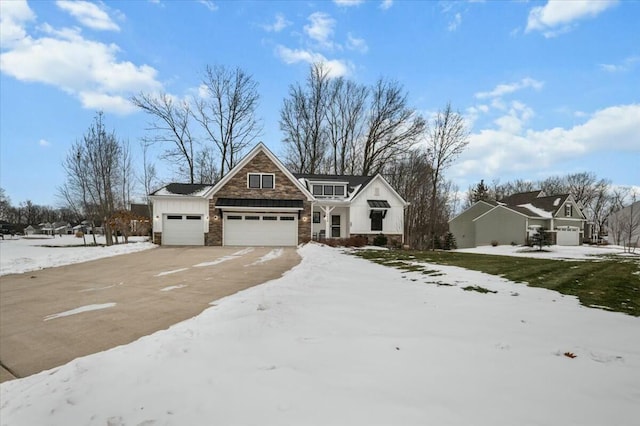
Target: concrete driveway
[49,317]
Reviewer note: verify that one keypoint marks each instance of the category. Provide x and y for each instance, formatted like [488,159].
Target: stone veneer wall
[157,238]
[236,187]
[393,240]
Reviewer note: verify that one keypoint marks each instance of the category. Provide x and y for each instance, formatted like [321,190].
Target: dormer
[329,189]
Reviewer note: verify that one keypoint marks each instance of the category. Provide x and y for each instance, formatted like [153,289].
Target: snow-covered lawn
[342,341]
[550,252]
[25,254]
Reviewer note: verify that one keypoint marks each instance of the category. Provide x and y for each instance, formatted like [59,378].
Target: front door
[335,226]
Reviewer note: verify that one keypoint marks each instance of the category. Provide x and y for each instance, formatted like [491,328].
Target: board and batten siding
[502,225]
[163,206]
[393,223]
[462,226]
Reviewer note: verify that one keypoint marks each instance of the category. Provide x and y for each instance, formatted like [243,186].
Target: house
[142,213]
[62,228]
[515,219]
[261,203]
[30,230]
[624,226]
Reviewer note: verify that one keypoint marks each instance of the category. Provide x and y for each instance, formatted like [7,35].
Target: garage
[183,230]
[260,229]
[568,236]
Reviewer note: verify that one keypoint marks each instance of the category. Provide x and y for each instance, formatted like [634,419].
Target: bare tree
[228,113]
[302,119]
[345,115]
[447,137]
[93,173]
[149,176]
[171,124]
[127,176]
[392,127]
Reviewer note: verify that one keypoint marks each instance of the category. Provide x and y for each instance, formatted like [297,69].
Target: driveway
[49,317]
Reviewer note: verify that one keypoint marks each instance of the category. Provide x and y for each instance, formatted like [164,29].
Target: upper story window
[568,210]
[329,191]
[261,180]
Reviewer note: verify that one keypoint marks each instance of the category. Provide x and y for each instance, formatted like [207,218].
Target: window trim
[316,215]
[568,210]
[261,180]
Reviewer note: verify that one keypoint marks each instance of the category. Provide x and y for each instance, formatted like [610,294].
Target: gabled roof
[260,147]
[385,183]
[354,183]
[551,204]
[191,189]
[521,198]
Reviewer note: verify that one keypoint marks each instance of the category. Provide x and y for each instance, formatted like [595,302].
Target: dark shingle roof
[550,204]
[182,188]
[521,198]
[258,202]
[140,209]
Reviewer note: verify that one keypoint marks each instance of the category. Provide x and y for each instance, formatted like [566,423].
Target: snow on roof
[556,202]
[537,211]
[192,190]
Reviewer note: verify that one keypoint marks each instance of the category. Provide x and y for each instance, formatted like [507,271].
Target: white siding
[164,206]
[393,223]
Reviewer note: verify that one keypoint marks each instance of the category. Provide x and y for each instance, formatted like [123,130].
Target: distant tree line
[27,213]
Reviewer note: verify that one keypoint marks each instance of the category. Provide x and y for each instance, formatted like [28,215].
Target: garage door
[260,229]
[568,236]
[182,230]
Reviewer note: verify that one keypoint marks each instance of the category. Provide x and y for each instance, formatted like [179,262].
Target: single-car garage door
[260,229]
[568,236]
[182,230]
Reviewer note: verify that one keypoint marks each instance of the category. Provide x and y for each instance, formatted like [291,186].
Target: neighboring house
[515,219]
[140,225]
[30,230]
[624,226]
[60,228]
[261,203]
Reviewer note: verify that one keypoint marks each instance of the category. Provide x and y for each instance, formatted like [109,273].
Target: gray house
[515,219]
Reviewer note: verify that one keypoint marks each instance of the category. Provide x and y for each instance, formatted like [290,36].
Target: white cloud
[557,16]
[209,5]
[455,22]
[44,143]
[87,69]
[504,89]
[386,4]
[358,44]
[278,25]
[88,14]
[321,28]
[13,16]
[626,65]
[510,148]
[348,3]
[335,67]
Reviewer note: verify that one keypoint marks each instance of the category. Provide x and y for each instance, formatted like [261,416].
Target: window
[267,181]
[328,190]
[260,180]
[174,217]
[269,217]
[234,217]
[252,218]
[194,217]
[568,210]
[316,217]
[287,218]
[376,220]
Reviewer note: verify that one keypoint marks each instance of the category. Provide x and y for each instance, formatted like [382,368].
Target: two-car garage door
[182,230]
[260,229]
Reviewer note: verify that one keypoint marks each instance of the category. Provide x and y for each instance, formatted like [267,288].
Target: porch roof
[379,204]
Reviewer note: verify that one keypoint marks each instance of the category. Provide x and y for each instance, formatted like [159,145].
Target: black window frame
[255,184]
[316,217]
[268,176]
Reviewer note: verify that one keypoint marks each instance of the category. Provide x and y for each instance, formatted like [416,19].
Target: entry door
[335,226]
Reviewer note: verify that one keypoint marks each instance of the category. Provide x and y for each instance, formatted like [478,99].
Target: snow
[174,271]
[537,211]
[20,255]
[273,254]
[225,258]
[87,308]
[550,252]
[339,340]
[173,287]
[556,202]
[165,192]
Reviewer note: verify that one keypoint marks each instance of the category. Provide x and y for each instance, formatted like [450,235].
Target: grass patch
[478,289]
[606,282]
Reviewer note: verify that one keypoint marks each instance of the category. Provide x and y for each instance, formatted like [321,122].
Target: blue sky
[547,87]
